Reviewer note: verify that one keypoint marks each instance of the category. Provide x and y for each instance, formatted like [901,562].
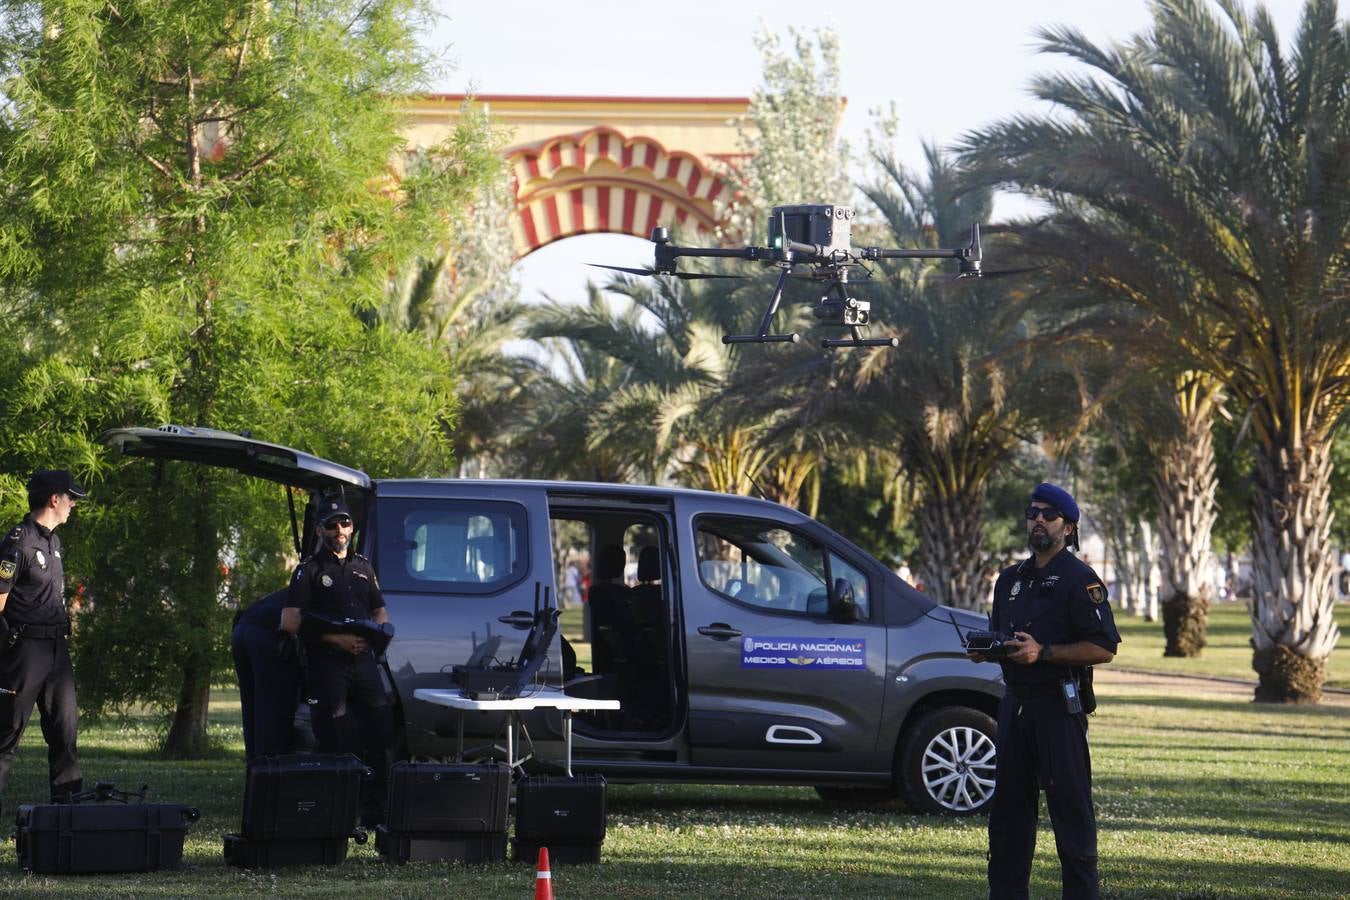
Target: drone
[819,237]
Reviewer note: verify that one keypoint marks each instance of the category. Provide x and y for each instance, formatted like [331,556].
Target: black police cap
[331,508]
[55,481]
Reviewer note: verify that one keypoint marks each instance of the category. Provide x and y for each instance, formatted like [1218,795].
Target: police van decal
[803,653]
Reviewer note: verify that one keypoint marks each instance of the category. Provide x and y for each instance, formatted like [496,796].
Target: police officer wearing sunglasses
[34,655]
[1054,607]
[351,712]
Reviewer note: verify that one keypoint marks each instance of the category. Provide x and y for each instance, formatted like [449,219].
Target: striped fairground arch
[601,180]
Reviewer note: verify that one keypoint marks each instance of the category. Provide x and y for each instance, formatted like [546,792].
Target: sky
[948,67]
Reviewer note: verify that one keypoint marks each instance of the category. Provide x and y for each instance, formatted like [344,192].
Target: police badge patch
[41,559]
[7,569]
[1017,586]
[1096,592]
[326,581]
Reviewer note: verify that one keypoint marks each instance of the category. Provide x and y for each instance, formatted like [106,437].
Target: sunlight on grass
[1200,794]
[1228,653]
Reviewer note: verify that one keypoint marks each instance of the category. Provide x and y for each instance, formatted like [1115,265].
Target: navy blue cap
[1057,497]
[331,508]
[55,481]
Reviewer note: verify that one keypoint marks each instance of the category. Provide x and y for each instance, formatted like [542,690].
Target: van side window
[459,546]
[766,565]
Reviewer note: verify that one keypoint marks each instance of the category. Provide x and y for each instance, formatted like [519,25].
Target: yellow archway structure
[585,165]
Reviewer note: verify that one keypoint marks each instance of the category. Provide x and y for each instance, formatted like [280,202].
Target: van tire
[946,762]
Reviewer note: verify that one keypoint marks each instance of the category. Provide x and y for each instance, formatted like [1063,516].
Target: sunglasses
[334,525]
[1050,515]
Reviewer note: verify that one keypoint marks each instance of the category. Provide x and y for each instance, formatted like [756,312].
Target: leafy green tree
[1202,174]
[789,135]
[200,210]
[951,402]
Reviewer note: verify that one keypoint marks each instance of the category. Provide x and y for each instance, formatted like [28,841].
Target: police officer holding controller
[34,654]
[342,677]
[1054,607]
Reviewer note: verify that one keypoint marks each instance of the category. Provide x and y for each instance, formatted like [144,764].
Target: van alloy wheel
[947,762]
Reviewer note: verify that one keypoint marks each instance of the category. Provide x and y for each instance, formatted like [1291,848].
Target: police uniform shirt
[1063,603]
[32,574]
[340,588]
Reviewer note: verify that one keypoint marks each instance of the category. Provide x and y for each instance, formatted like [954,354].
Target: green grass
[1228,653]
[1200,795]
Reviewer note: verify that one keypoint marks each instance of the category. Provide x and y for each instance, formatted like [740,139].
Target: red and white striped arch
[601,181]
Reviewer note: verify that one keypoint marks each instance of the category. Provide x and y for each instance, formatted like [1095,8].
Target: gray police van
[757,646]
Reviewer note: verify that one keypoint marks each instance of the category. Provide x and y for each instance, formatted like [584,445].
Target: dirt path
[1227,687]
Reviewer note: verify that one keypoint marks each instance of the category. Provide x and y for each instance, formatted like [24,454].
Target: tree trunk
[1185,481]
[951,543]
[1153,584]
[187,731]
[1293,631]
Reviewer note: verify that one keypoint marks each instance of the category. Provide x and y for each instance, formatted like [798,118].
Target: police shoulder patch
[7,569]
[1096,592]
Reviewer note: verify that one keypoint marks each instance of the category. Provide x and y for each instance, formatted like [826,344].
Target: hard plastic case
[566,815]
[303,797]
[89,838]
[275,854]
[401,847]
[455,798]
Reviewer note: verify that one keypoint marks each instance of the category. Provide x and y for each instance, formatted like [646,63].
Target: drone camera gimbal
[819,236]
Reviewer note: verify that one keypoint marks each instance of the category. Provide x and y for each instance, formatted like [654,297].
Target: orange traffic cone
[543,878]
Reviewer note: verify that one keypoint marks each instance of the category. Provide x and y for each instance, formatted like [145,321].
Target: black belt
[42,632]
[1039,691]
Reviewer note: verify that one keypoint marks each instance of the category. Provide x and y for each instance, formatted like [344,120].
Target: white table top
[539,698]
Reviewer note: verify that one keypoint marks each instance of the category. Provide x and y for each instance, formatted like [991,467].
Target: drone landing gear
[763,336]
[859,341]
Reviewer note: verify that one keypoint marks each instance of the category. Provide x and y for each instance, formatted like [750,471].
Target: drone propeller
[687,276]
[996,273]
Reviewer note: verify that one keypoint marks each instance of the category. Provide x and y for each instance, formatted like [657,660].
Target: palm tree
[675,409]
[949,402]
[1202,175]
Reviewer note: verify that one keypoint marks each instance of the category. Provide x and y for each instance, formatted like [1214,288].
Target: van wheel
[946,762]
[856,797]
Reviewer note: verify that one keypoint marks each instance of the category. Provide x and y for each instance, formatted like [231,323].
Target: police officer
[269,676]
[342,677]
[34,654]
[1055,608]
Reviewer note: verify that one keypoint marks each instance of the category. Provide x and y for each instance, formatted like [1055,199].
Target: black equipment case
[401,847]
[566,815]
[458,798]
[298,811]
[89,838]
[248,854]
[300,797]
[445,812]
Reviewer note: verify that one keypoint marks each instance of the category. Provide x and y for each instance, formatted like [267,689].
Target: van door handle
[719,630]
[519,618]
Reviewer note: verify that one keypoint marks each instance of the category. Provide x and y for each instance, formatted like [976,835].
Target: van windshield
[450,546]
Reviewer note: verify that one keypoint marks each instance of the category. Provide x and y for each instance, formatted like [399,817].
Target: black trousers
[38,670]
[352,714]
[1042,746]
[268,690]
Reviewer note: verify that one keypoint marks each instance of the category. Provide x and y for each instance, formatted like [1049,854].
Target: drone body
[818,236]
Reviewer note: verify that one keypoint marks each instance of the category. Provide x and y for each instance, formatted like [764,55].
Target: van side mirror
[843,606]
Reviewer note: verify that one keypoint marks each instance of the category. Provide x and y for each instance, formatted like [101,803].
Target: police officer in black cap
[1055,608]
[351,712]
[34,655]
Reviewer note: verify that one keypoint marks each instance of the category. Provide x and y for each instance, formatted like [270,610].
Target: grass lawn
[1228,653]
[1200,795]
